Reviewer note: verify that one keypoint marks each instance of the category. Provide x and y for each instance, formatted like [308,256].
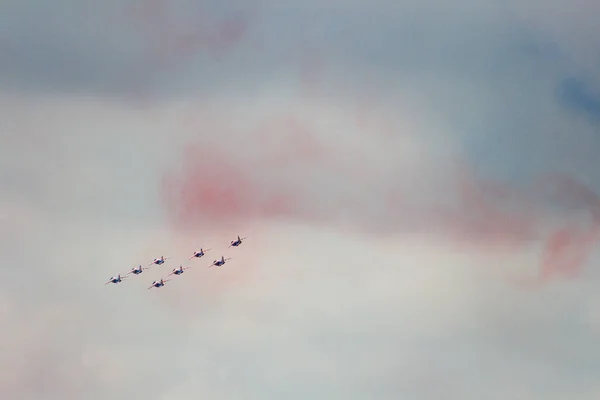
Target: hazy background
[418,183]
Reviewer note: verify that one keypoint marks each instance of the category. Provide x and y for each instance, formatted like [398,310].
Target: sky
[418,182]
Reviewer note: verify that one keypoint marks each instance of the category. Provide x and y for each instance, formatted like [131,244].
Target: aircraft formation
[176,271]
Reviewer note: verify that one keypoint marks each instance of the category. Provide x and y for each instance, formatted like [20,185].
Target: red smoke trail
[214,190]
[568,249]
[566,252]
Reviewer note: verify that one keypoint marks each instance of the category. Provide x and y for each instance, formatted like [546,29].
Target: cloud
[421,205]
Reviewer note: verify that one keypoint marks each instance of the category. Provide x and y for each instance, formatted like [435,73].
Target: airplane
[116,279]
[179,271]
[137,270]
[236,243]
[219,263]
[199,254]
[158,261]
[158,284]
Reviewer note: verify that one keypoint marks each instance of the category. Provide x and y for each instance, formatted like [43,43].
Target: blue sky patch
[575,94]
